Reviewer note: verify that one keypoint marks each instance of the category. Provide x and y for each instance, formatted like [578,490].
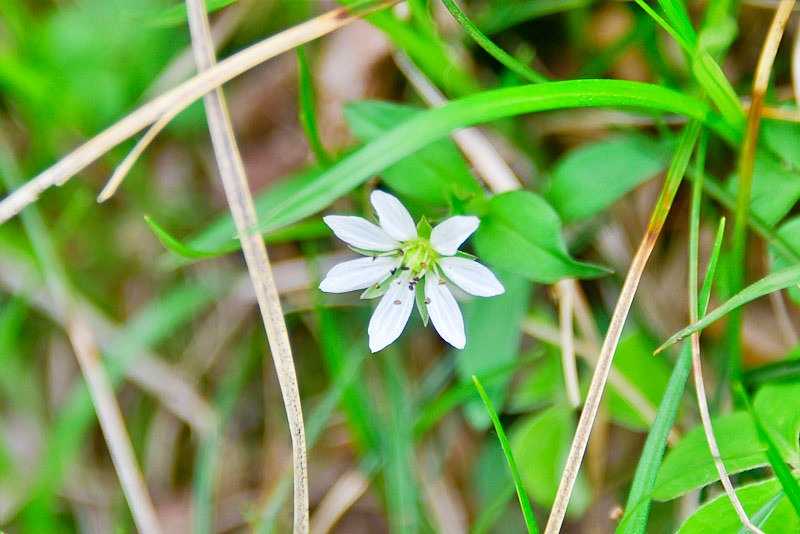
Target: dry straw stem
[240,201]
[179,99]
[618,317]
[489,165]
[747,158]
[343,494]
[566,297]
[113,426]
[796,65]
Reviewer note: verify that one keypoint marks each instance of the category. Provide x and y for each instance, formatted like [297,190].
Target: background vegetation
[587,109]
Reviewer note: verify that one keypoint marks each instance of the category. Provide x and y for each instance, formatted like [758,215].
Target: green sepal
[374,253]
[421,306]
[424,228]
[467,255]
[377,290]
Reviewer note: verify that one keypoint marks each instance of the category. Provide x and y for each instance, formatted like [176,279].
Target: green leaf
[634,361]
[789,232]
[522,496]
[718,515]
[521,233]
[540,444]
[780,137]
[689,465]
[776,188]
[772,282]
[410,136]
[432,174]
[492,343]
[778,408]
[592,177]
[422,307]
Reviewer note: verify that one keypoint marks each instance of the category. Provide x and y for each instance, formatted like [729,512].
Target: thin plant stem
[746,165]
[240,200]
[181,97]
[566,297]
[618,317]
[697,368]
[84,345]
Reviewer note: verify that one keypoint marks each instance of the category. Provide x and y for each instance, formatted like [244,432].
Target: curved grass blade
[524,502]
[299,231]
[487,106]
[637,507]
[308,112]
[773,282]
[509,61]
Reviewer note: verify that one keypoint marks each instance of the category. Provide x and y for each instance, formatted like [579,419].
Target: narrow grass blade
[772,282]
[524,502]
[637,508]
[763,513]
[605,359]
[509,61]
[308,108]
[303,230]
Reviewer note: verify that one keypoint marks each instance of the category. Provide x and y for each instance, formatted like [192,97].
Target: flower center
[418,255]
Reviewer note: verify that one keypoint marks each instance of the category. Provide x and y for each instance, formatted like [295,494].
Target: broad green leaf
[789,232]
[634,360]
[718,515]
[778,408]
[780,137]
[431,175]
[592,177]
[776,188]
[491,343]
[772,282]
[540,444]
[524,502]
[689,465]
[431,125]
[521,233]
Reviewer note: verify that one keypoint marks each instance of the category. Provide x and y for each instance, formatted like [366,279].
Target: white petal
[450,233]
[394,217]
[358,274]
[360,233]
[391,315]
[443,311]
[471,276]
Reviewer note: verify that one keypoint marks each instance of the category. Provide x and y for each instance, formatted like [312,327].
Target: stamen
[427,300]
[397,302]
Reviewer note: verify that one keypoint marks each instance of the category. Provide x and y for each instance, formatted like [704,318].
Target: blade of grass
[240,201]
[697,369]
[310,229]
[524,502]
[180,97]
[772,282]
[509,61]
[599,378]
[637,507]
[763,513]
[308,112]
[746,166]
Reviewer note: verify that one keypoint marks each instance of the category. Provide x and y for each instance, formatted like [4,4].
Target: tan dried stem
[179,99]
[340,497]
[566,297]
[240,201]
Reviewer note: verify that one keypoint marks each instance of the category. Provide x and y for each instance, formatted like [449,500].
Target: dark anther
[393,271]
[404,268]
[397,303]
[427,300]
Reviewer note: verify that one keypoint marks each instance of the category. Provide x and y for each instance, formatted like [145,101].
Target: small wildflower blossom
[405,264]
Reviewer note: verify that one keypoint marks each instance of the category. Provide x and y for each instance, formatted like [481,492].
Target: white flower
[403,266]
